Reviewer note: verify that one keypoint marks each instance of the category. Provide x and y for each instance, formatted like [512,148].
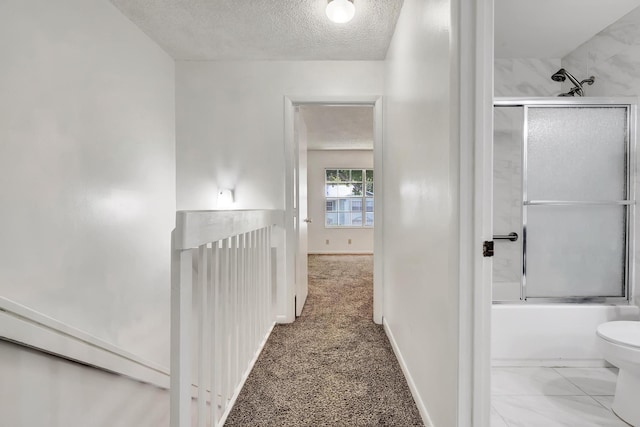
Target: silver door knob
[308,220]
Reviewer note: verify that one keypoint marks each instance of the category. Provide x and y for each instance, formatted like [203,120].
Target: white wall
[420,211]
[229,123]
[41,390]
[361,238]
[87,166]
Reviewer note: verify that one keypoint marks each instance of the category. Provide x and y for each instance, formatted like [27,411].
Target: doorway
[528,68]
[298,218]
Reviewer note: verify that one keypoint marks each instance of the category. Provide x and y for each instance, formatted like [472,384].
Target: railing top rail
[196,228]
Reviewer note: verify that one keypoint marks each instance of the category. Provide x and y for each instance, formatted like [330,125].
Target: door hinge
[487,248]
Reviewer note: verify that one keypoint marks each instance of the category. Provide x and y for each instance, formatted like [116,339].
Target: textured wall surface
[249,29]
[331,127]
[87,161]
[361,238]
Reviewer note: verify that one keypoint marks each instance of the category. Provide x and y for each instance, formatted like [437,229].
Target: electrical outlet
[327,241]
[349,241]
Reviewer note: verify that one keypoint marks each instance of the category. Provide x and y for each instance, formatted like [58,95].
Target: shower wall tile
[617,40]
[526,76]
[520,77]
[618,75]
[502,76]
[613,57]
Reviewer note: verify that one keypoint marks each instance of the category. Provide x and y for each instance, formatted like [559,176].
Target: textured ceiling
[552,28]
[338,127]
[264,29]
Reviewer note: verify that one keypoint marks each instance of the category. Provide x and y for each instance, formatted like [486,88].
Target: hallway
[333,365]
[124,120]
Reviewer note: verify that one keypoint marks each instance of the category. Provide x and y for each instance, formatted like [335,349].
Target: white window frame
[363,198]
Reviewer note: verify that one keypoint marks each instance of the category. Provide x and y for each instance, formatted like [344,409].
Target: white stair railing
[221,308]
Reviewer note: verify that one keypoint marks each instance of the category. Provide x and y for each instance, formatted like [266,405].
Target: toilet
[620,343]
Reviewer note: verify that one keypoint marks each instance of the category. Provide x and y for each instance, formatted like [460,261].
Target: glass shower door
[508,126]
[575,201]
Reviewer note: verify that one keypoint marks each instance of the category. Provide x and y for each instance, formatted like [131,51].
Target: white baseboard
[33,329]
[412,386]
[246,374]
[551,363]
[340,252]
[281,319]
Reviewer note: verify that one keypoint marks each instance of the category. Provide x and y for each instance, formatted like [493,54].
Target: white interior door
[301,219]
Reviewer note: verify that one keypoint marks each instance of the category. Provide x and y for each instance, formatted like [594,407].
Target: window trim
[363,198]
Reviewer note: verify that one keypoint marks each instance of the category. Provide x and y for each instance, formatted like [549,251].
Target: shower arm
[579,89]
[575,82]
[573,91]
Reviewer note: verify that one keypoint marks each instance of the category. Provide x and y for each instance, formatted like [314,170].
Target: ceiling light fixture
[340,11]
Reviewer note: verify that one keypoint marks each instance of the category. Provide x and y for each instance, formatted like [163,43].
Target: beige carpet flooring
[333,366]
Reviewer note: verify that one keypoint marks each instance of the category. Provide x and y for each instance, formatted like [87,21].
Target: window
[349,198]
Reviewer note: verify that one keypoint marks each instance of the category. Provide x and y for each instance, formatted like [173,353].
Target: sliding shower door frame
[630,104]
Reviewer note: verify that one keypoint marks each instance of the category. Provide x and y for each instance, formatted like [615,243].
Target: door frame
[475,74]
[301,226]
[290,102]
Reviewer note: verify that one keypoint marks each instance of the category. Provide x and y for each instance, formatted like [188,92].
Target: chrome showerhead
[560,75]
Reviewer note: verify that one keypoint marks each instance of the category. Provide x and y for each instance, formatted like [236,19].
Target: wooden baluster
[203,335]
[262,294]
[245,302]
[181,284]
[254,289]
[224,323]
[269,277]
[233,318]
[212,301]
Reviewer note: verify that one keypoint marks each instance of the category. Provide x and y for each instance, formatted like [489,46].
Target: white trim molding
[473,35]
[407,374]
[339,253]
[290,102]
[33,329]
[195,228]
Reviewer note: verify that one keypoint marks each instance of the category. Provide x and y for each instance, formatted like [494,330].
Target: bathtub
[551,335]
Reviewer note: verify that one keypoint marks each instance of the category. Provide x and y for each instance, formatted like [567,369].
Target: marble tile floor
[553,397]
